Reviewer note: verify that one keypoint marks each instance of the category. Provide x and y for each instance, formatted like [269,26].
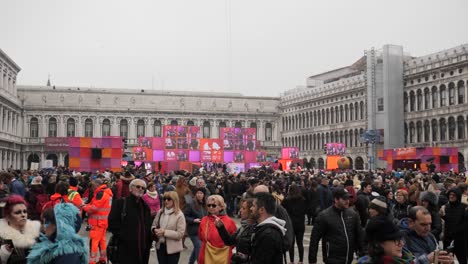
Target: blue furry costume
[65,246]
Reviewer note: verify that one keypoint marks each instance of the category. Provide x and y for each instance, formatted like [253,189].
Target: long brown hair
[182,189]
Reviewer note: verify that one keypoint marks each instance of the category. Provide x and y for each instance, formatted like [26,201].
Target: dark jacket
[296,208]
[267,242]
[325,196]
[362,206]
[135,230]
[341,234]
[191,213]
[241,238]
[454,217]
[400,211]
[31,198]
[282,214]
[420,246]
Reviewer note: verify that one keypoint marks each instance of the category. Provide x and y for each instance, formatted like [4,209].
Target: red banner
[56,144]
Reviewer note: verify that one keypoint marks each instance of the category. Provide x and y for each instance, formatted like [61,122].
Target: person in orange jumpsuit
[98,210]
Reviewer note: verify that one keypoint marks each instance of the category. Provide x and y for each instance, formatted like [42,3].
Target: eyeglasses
[211,205]
[20,212]
[167,199]
[139,187]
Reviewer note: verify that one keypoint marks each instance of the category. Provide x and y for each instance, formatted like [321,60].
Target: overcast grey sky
[187,44]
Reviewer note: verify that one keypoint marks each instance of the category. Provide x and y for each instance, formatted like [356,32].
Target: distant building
[385,99]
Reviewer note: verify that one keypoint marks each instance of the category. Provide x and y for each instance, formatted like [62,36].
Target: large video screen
[335,149]
[290,153]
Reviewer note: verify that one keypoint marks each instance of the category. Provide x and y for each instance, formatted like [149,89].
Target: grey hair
[135,181]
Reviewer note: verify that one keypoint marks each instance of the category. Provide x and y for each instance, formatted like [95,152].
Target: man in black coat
[455,215]
[134,231]
[340,229]
[362,202]
[267,242]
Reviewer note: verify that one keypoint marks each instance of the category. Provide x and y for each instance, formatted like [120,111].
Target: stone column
[114,126]
[60,159]
[147,127]
[131,127]
[98,127]
[44,126]
[25,161]
[214,132]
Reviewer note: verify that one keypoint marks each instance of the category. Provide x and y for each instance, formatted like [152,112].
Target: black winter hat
[381,228]
[341,193]
[429,197]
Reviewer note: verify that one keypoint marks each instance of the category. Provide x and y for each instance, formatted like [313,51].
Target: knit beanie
[379,204]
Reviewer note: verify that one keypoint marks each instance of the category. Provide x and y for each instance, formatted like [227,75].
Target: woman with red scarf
[213,250]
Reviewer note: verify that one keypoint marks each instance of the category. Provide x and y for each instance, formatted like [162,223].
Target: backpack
[41,200]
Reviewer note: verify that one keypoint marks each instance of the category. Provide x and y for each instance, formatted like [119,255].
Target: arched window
[461,127]
[412,101]
[405,102]
[254,125]
[411,132]
[332,115]
[124,128]
[157,128]
[206,129]
[346,113]
[106,128]
[89,127]
[427,98]
[319,121]
[435,128]
[190,123]
[356,111]
[443,129]
[222,125]
[174,123]
[461,92]
[34,128]
[341,114]
[351,112]
[427,131]
[70,127]
[140,128]
[361,110]
[328,116]
[346,137]
[419,131]
[52,127]
[434,97]
[452,127]
[268,132]
[443,96]
[351,138]
[356,136]
[419,100]
[451,93]
[337,115]
[238,124]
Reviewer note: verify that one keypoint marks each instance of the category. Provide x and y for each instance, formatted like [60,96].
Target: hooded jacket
[65,246]
[454,216]
[433,199]
[267,242]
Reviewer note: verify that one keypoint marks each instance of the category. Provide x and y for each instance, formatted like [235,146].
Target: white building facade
[414,101]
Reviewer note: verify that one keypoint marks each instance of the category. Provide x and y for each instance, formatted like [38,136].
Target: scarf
[152,194]
[406,258]
[163,222]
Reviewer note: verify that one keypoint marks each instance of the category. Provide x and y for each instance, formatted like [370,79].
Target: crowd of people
[401,216]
